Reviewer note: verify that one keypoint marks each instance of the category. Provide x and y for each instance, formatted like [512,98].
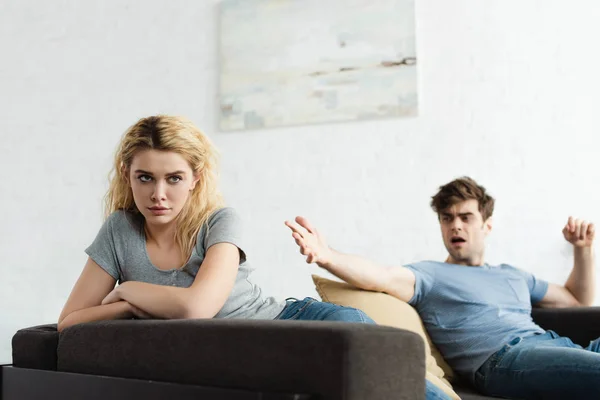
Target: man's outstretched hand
[579,233]
[311,243]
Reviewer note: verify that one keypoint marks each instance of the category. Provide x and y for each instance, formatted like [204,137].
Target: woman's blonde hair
[179,135]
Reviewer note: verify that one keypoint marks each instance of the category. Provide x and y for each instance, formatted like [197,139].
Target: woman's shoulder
[224,214]
[223,224]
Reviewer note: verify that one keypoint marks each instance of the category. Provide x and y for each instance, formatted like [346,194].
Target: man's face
[464,232]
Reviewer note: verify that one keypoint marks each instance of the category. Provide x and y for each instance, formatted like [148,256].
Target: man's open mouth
[458,240]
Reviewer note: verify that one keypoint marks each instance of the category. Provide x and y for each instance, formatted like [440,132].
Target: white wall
[508,89]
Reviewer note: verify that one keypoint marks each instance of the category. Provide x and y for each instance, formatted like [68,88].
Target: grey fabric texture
[336,360]
[120,249]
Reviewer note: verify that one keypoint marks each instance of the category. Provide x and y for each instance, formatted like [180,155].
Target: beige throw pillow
[387,310]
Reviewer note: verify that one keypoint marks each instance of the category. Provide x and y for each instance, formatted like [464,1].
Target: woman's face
[161,182]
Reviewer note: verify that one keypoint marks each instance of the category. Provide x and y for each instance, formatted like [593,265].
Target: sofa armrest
[580,324]
[337,361]
[35,347]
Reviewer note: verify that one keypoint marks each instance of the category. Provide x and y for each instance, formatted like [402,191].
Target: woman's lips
[158,210]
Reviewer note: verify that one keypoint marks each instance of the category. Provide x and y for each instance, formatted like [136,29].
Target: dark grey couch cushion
[580,324]
[334,360]
[35,347]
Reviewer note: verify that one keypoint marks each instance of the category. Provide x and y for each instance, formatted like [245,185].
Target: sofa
[243,360]
[215,359]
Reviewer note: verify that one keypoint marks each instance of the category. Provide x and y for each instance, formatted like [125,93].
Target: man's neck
[475,262]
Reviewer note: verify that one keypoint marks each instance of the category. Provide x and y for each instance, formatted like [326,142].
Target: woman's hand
[117,295]
[113,296]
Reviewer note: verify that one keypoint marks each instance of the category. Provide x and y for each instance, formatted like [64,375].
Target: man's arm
[579,290]
[358,271]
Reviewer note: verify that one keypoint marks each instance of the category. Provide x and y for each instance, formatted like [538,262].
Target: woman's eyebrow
[141,171]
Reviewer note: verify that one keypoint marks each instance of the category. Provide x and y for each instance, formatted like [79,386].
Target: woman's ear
[125,174]
[195,181]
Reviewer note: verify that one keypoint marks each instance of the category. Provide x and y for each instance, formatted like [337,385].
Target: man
[479,315]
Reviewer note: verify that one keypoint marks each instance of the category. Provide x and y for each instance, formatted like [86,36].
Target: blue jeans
[310,309]
[313,310]
[544,366]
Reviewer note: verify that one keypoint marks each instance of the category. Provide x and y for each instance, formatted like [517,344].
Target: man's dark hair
[459,190]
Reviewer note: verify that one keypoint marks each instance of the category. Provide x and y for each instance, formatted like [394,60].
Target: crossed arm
[95,297]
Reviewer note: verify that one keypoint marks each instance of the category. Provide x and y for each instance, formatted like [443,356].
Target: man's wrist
[583,250]
[328,259]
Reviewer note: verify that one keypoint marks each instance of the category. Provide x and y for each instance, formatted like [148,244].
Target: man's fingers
[301,231]
[584,230]
[296,228]
[578,230]
[571,225]
[306,251]
[304,223]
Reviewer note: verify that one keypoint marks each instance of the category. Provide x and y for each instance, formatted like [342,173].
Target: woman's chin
[158,219]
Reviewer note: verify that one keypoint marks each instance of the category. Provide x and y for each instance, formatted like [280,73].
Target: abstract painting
[292,62]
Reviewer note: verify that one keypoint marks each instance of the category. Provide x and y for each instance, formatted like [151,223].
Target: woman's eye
[174,179]
[144,178]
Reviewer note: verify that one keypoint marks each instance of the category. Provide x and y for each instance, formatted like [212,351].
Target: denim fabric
[310,309]
[544,366]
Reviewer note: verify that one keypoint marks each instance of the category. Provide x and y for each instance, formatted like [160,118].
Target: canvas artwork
[291,62]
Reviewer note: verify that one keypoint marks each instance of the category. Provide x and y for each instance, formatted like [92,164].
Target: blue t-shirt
[471,312]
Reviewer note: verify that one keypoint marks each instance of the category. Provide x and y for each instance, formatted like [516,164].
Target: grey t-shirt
[471,312]
[120,249]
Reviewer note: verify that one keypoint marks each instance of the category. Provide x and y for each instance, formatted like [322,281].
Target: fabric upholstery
[332,359]
[35,347]
[580,324]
